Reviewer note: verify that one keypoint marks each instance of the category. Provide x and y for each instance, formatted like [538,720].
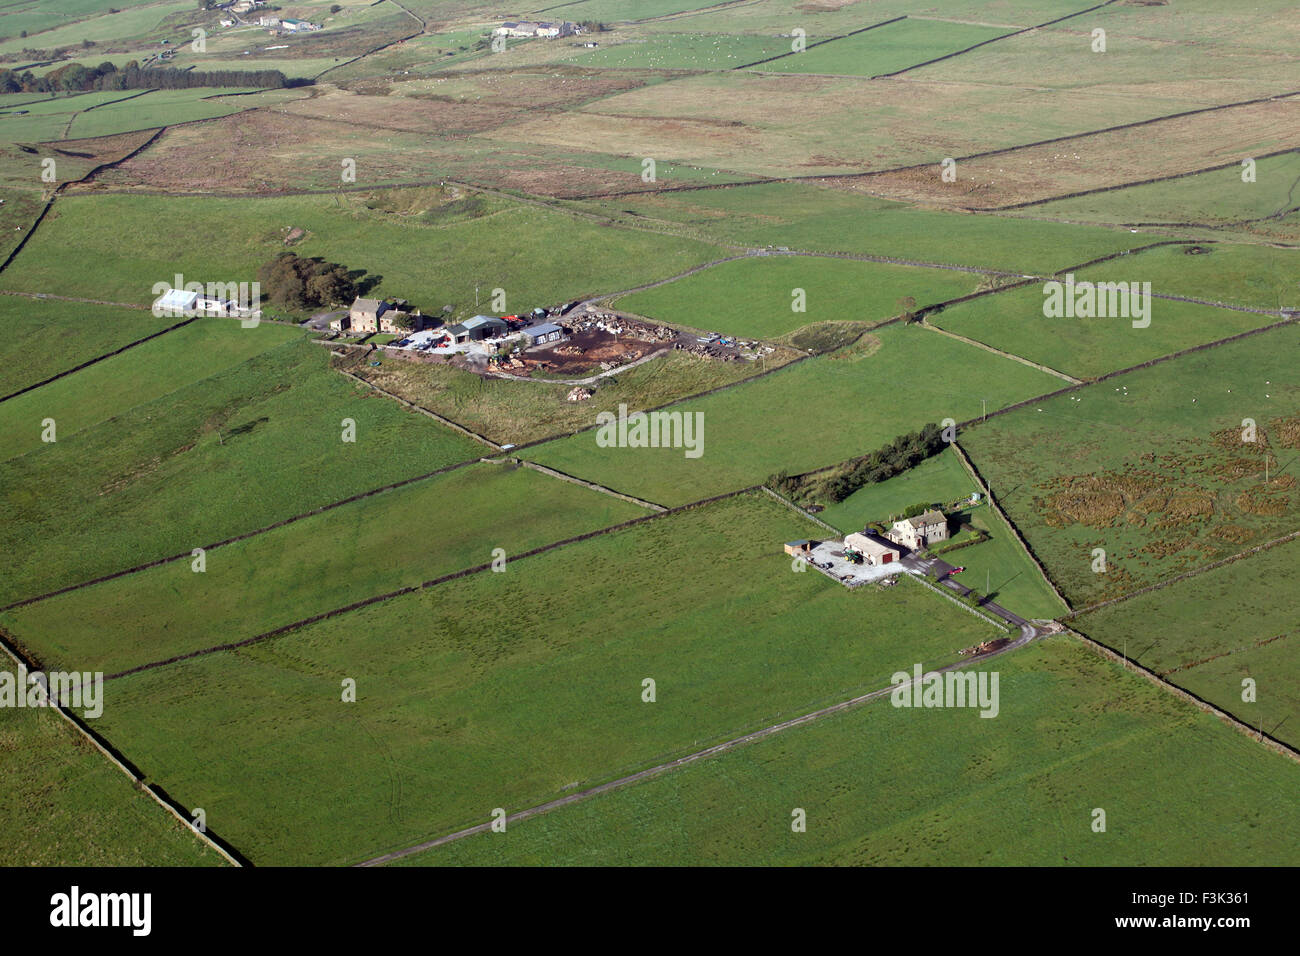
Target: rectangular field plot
[92,396]
[511,689]
[857,400]
[886,49]
[44,337]
[1215,198]
[377,545]
[703,51]
[756,298]
[1151,467]
[393,237]
[66,805]
[812,218]
[1213,632]
[1088,347]
[891,786]
[225,454]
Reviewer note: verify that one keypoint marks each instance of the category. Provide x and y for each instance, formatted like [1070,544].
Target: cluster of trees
[74,77]
[904,452]
[292,282]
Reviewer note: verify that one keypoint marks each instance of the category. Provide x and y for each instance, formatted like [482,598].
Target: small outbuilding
[545,333]
[801,548]
[873,550]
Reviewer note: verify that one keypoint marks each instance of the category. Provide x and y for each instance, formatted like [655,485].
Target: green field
[1179,491]
[616,10]
[705,51]
[1206,634]
[35,16]
[92,396]
[45,337]
[377,545]
[885,786]
[67,805]
[816,219]
[937,480]
[753,298]
[536,256]
[1088,347]
[510,689]
[886,49]
[1214,198]
[230,453]
[821,411]
[133,22]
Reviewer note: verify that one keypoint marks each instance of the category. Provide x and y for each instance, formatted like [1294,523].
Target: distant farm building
[530,28]
[478,328]
[920,532]
[874,551]
[298,26]
[178,302]
[544,333]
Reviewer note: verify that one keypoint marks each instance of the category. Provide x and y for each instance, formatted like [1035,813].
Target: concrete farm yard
[360,564]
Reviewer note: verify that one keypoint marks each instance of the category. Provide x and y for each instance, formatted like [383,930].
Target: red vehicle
[957,570]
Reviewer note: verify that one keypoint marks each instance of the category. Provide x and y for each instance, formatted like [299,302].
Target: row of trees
[292,282]
[904,452]
[75,77]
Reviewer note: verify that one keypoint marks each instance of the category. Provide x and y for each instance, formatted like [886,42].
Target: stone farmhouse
[920,532]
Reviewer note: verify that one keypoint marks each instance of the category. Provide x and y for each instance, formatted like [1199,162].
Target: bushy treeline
[903,453]
[76,77]
[293,282]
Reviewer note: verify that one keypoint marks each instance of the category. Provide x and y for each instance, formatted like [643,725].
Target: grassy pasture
[1214,198]
[1199,51]
[40,338]
[36,16]
[536,255]
[619,10]
[886,49]
[133,22]
[377,545]
[818,219]
[936,480]
[1151,467]
[664,51]
[1088,347]
[1108,159]
[857,403]
[773,124]
[1232,273]
[886,786]
[1206,634]
[142,375]
[506,690]
[66,805]
[228,453]
[754,297]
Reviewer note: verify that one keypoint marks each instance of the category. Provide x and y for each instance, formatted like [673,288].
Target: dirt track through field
[714,751]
